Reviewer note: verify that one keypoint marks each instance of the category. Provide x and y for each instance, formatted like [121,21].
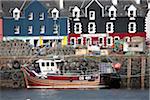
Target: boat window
[52,64]
[43,64]
[47,64]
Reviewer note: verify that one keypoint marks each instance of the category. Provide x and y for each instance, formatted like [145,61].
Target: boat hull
[36,82]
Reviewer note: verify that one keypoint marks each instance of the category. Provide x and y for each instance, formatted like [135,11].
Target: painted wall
[23,22]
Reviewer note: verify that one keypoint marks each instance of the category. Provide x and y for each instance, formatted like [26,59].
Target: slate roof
[7,5]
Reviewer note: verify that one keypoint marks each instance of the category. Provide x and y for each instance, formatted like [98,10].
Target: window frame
[111,27]
[16,29]
[79,31]
[41,16]
[30,29]
[92,30]
[30,16]
[42,29]
[133,28]
[92,17]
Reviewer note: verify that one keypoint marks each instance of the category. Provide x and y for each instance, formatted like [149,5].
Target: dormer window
[41,17]
[112,12]
[16,13]
[30,16]
[42,29]
[132,12]
[109,27]
[78,28]
[91,27]
[76,13]
[17,29]
[30,28]
[55,13]
[132,27]
[92,15]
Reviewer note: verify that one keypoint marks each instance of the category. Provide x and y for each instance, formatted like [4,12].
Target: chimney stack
[61,4]
[114,2]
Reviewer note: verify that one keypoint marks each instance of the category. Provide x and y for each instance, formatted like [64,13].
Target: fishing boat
[50,73]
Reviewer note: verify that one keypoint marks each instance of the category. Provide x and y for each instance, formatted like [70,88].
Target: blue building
[34,25]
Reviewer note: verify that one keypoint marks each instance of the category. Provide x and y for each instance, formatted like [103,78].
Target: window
[54,14]
[88,41]
[127,39]
[42,29]
[116,38]
[92,27]
[100,40]
[109,41]
[79,40]
[30,16]
[112,14]
[72,41]
[47,64]
[41,17]
[78,28]
[43,64]
[55,30]
[30,29]
[109,27]
[132,27]
[75,14]
[92,15]
[52,64]
[17,29]
[132,13]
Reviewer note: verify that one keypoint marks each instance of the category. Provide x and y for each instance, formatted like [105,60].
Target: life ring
[17,76]
[16,64]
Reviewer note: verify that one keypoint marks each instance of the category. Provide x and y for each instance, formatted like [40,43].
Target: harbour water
[46,94]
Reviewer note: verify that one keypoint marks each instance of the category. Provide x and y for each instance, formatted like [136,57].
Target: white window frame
[93,27]
[90,43]
[111,41]
[30,16]
[101,44]
[111,27]
[81,40]
[76,28]
[128,39]
[134,27]
[55,29]
[92,17]
[134,14]
[116,37]
[41,16]
[16,29]
[74,41]
[30,29]
[42,29]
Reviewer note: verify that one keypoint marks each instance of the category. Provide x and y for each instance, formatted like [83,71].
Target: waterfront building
[36,24]
[102,23]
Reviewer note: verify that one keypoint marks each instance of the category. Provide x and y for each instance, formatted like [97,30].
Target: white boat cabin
[48,66]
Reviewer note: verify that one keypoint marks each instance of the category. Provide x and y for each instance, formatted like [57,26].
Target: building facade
[34,25]
[102,25]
